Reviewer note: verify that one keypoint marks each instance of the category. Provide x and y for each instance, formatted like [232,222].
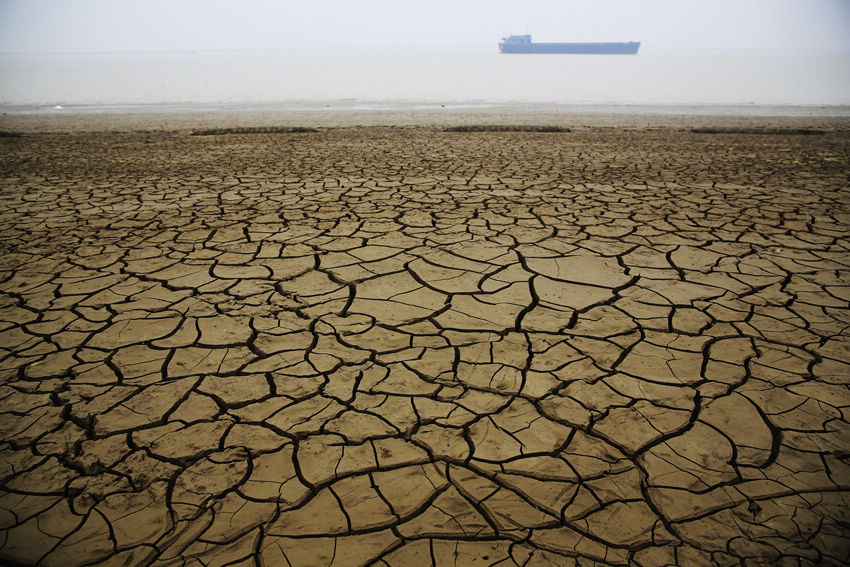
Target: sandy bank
[177,117]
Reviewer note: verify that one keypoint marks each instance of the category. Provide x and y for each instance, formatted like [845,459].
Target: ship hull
[614,48]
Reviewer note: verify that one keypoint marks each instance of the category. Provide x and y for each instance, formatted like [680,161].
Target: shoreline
[334,114]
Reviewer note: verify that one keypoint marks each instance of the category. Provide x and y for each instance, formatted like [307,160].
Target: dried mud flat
[404,346]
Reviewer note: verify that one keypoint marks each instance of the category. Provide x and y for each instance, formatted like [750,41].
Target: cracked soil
[403,347]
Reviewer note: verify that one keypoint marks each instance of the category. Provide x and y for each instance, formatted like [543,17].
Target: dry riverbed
[403,346]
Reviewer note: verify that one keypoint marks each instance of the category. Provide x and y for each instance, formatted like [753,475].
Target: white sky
[50,26]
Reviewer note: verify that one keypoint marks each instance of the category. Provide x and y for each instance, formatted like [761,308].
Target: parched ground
[404,347]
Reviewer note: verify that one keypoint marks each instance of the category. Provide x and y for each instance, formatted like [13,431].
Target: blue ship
[523,44]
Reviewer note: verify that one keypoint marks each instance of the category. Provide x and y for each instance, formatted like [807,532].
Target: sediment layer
[405,346]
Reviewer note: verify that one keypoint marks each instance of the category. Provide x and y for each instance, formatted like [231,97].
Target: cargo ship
[523,44]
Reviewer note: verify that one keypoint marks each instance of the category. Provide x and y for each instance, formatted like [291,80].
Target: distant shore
[357,113]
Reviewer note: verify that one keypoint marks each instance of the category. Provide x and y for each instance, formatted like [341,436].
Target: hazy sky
[46,26]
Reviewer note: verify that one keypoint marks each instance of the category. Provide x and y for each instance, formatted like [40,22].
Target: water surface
[373,77]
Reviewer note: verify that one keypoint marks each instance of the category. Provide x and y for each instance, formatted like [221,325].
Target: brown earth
[402,346]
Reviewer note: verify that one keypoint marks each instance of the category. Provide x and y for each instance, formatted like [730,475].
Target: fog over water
[425,76]
[374,52]
[49,26]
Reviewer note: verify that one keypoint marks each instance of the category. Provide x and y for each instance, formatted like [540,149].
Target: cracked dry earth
[403,347]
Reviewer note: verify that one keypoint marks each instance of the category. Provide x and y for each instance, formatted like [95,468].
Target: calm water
[429,76]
